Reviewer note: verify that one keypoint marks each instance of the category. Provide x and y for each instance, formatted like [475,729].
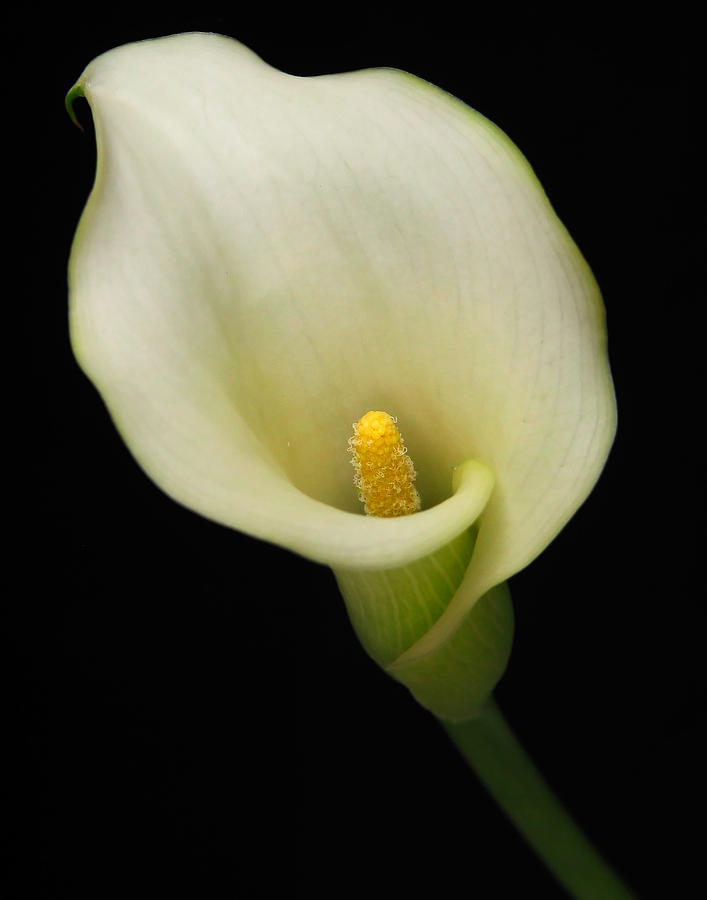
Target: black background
[187,708]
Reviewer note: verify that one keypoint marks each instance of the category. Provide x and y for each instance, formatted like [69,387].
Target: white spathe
[264,258]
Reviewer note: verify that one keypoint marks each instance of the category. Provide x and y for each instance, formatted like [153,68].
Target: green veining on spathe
[392,608]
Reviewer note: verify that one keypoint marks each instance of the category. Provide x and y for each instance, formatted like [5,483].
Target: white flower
[264,257]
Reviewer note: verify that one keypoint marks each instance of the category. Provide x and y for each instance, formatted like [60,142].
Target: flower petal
[264,257]
[392,610]
[455,679]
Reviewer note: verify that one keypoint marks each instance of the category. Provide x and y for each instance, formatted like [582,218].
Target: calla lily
[265,257]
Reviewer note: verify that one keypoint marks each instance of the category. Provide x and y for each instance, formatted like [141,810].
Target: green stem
[497,757]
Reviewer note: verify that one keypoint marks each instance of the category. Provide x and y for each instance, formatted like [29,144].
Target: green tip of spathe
[76,91]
